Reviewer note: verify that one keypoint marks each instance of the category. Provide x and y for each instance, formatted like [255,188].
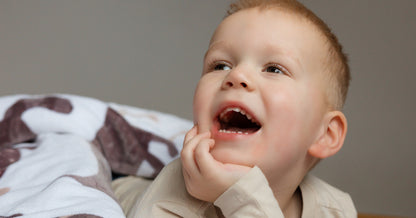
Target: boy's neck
[292,208]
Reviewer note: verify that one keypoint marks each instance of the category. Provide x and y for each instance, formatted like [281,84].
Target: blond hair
[337,63]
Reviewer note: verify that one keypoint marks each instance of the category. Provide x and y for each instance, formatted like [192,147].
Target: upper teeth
[238,110]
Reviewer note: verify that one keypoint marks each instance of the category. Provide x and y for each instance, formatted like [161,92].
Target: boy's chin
[227,156]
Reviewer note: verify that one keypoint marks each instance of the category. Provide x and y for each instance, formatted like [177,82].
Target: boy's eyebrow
[287,54]
[216,45]
[275,49]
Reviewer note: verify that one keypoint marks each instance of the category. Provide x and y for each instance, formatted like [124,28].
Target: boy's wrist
[251,194]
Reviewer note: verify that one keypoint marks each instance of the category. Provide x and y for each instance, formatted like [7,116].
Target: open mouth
[236,120]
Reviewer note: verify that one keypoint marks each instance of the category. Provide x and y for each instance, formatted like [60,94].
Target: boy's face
[261,94]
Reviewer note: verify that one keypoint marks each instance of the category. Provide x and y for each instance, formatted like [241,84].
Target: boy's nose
[236,78]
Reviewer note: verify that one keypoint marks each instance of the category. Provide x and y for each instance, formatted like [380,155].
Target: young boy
[266,110]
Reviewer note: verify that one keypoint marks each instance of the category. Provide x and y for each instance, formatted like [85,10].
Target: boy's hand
[206,178]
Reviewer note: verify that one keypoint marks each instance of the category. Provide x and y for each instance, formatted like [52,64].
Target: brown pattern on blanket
[4,191]
[14,215]
[7,157]
[13,129]
[126,147]
[82,216]
[100,181]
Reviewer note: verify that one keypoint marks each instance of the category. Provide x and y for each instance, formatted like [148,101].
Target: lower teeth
[235,132]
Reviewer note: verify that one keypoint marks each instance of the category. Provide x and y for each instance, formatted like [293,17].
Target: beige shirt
[251,196]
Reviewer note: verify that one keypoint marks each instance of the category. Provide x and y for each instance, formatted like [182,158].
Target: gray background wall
[149,54]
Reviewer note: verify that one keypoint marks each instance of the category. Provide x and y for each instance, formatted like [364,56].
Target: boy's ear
[331,139]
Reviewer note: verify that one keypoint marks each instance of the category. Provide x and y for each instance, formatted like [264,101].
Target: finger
[187,153]
[204,160]
[190,144]
[188,163]
[190,134]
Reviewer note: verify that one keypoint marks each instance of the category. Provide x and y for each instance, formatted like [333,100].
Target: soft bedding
[58,152]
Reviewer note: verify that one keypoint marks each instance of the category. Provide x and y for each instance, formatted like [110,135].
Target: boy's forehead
[271,28]
[268,21]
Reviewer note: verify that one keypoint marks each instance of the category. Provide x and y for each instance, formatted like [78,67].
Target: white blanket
[57,153]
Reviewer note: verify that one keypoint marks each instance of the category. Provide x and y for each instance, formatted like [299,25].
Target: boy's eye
[222,67]
[274,69]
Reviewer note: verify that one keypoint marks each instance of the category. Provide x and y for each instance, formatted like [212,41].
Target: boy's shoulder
[322,199]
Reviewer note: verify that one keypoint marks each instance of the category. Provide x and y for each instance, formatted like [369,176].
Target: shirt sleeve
[251,196]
